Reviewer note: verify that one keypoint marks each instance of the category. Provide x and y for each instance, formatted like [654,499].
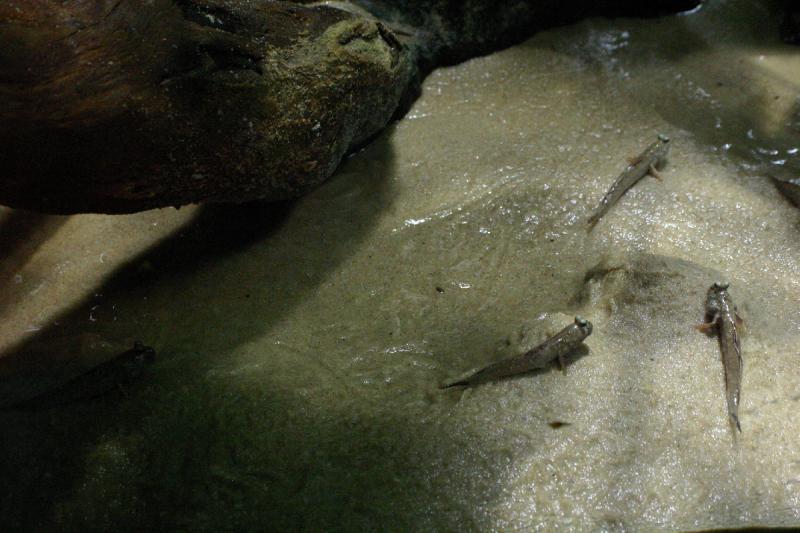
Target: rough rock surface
[119,106]
[135,106]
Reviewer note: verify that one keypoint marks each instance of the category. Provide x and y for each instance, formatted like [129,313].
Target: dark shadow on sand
[21,234]
[223,279]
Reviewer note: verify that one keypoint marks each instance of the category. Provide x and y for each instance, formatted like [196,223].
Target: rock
[168,103]
[790,28]
[454,30]
[119,106]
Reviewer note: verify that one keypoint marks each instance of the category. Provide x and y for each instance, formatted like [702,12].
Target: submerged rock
[118,107]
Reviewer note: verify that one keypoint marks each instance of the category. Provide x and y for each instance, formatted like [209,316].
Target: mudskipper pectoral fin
[705,327]
[562,364]
[655,173]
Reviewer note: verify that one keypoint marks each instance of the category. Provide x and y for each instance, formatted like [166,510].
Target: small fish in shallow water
[648,162]
[722,314]
[556,347]
[112,375]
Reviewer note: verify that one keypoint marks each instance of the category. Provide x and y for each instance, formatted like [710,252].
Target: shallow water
[300,347]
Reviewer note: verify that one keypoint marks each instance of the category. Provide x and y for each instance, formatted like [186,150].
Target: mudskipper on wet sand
[556,347]
[721,314]
[647,162]
[114,374]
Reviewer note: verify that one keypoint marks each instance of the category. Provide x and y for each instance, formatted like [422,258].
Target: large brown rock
[118,105]
[123,106]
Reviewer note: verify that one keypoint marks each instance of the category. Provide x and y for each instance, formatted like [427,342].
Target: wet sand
[300,347]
